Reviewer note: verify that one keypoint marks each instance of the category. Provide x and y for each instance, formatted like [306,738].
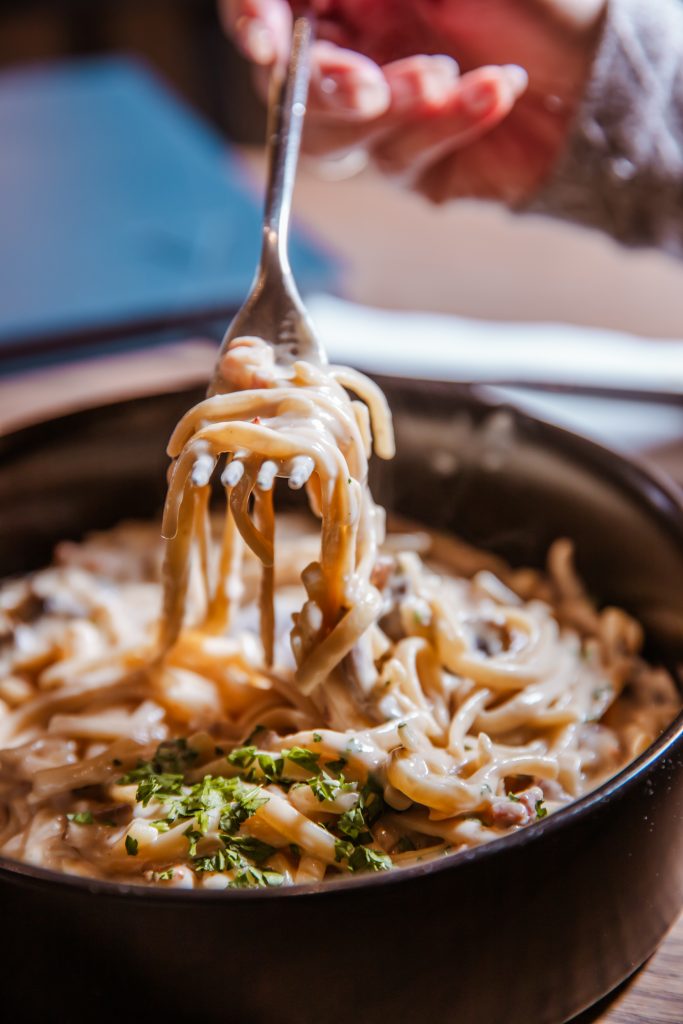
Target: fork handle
[286,111]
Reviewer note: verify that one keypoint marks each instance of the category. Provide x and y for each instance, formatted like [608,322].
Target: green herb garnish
[364,858]
[131,846]
[193,837]
[352,824]
[304,758]
[251,878]
[81,818]
[328,787]
[246,803]
[243,757]
[342,850]
[247,846]
[271,767]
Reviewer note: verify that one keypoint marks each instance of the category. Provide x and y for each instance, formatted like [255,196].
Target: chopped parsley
[364,858]
[216,808]
[248,801]
[304,758]
[372,801]
[221,860]
[172,756]
[361,858]
[328,787]
[352,824]
[247,846]
[250,877]
[151,786]
[243,757]
[317,738]
[541,809]
[81,818]
[163,876]
[342,850]
[193,837]
[271,767]
[232,857]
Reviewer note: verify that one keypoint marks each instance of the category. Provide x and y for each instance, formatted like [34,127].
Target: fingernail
[372,99]
[346,94]
[259,43]
[427,85]
[516,77]
[478,98]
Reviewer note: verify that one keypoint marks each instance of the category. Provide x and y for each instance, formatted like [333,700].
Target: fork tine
[266,475]
[300,471]
[233,473]
[203,468]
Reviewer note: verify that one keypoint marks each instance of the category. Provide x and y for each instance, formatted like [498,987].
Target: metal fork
[273,309]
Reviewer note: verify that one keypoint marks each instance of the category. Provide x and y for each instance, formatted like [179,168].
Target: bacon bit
[256,420]
[514,809]
[530,798]
[505,812]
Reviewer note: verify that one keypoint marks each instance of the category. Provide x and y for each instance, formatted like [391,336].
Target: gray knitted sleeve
[622,170]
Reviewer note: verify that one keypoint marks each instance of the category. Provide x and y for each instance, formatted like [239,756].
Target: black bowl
[528,930]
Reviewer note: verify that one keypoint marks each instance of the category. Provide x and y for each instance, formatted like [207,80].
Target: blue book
[120,208]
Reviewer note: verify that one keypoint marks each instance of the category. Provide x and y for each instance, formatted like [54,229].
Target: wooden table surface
[379,271]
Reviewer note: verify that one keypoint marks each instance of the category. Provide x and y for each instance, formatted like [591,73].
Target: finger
[417,87]
[421,84]
[345,88]
[479,101]
[502,165]
[261,29]
[346,84]
[464,174]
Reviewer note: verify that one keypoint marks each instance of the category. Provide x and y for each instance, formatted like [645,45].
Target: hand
[455,97]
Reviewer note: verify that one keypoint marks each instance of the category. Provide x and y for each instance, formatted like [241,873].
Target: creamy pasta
[247,710]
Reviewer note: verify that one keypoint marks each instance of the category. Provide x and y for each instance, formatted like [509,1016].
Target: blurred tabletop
[477,262]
